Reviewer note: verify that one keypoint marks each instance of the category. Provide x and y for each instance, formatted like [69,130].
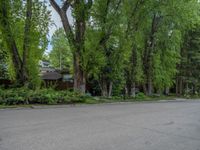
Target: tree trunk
[26,44]
[11,43]
[194,89]
[187,86]
[104,89]
[150,87]
[110,89]
[77,39]
[133,90]
[148,53]
[145,89]
[166,91]
[177,87]
[128,87]
[180,86]
[79,76]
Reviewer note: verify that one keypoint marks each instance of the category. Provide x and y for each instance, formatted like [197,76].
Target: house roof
[51,76]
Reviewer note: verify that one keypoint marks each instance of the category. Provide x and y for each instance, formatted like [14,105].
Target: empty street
[127,126]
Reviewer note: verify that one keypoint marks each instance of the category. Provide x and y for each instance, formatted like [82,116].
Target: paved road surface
[144,126]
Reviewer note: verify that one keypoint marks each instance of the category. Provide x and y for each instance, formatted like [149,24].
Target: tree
[106,25]
[24,26]
[134,34]
[3,58]
[61,54]
[19,64]
[155,28]
[188,77]
[76,38]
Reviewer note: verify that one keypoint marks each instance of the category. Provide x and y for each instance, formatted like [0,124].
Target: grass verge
[96,100]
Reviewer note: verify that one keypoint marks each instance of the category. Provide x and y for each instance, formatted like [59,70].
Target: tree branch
[55,6]
[27,28]
[66,5]
[107,35]
[65,21]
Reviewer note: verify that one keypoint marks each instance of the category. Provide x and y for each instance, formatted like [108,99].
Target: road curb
[99,104]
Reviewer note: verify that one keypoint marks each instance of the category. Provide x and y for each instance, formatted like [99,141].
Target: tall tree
[10,41]
[106,24]
[188,76]
[24,26]
[133,33]
[154,35]
[61,54]
[3,59]
[76,37]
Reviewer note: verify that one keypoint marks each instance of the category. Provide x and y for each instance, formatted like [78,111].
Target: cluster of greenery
[3,58]
[137,43]
[26,97]
[23,30]
[17,96]
[60,55]
[119,47]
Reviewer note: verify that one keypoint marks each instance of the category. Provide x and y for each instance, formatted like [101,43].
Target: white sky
[56,19]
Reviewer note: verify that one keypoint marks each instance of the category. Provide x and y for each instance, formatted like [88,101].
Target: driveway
[136,126]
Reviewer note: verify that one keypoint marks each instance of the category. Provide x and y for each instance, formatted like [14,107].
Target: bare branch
[65,6]
[64,18]
[55,6]
[67,28]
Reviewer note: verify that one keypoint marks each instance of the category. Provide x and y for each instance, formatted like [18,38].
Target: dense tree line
[119,46]
[24,28]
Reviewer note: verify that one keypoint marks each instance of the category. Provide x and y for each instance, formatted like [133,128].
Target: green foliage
[37,39]
[104,38]
[166,59]
[93,58]
[140,96]
[155,30]
[61,54]
[190,62]
[117,43]
[3,59]
[41,96]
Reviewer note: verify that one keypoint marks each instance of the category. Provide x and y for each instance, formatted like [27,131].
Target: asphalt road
[143,126]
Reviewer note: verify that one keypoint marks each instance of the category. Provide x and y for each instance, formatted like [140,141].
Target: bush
[42,96]
[12,97]
[140,96]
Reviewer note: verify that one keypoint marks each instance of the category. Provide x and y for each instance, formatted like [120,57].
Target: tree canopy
[61,54]
[24,28]
[121,46]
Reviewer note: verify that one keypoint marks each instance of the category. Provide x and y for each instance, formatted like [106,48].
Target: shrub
[42,96]
[140,96]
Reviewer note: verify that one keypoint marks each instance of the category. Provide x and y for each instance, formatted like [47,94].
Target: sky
[56,24]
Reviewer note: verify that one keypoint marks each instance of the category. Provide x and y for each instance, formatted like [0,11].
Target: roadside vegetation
[24,97]
[112,50]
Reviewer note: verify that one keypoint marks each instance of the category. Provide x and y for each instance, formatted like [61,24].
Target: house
[60,79]
[45,66]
